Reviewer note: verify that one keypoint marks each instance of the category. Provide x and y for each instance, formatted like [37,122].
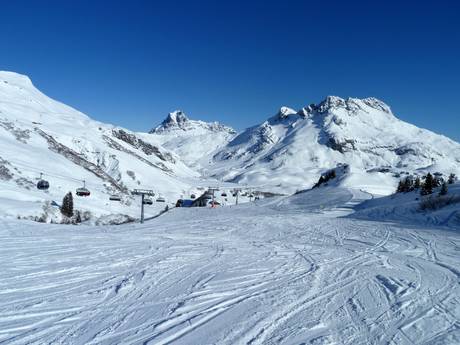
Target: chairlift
[224,194]
[42,184]
[83,191]
[251,195]
[115,197]
[148,201]
[161,199]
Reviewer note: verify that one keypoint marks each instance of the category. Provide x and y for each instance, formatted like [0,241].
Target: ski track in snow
[272,272]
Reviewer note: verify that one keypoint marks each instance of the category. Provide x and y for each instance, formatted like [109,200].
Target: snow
[285,153]
[27,116]
[286,270]
[290,150]
[193,140]
[338,264]
[405,208]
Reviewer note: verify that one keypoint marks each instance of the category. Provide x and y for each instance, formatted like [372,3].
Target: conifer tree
[400,188]
[417,183]
[407,185]
[443,189]
[428,185]
[451,179]
[67,205]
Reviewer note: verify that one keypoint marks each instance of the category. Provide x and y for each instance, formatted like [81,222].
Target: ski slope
[290,270]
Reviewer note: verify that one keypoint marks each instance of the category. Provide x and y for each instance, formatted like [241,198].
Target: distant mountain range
[292,148]
[288,151]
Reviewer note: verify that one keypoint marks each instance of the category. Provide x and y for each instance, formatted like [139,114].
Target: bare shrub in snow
[444,189]
[435,203]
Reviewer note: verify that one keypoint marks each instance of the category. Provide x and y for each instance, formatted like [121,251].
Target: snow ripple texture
[280,271]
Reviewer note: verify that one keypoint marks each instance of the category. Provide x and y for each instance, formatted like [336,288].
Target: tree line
[426,184]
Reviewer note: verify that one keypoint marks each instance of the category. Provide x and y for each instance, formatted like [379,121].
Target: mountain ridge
[287,152]
[362,133]
[39,135]
[178,120]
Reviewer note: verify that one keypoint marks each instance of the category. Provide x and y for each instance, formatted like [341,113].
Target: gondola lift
[83,191]
[115,197]
[42,184]
[148,201]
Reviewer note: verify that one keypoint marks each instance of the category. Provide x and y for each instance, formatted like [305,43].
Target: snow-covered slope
[288,152]
[291,149]
[40,135]
[412,208]
[194,141]
[291,270]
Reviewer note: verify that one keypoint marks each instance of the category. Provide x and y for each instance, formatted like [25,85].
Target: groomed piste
[301,269]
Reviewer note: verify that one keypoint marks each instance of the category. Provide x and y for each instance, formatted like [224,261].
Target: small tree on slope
[443,190]
[400,188]
[451,179]
[67,205]
[408,186]
[428,185]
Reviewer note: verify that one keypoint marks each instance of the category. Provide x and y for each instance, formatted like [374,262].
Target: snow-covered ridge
[177,120]
[193,140]
[292,148]
[41,135]
[287,152]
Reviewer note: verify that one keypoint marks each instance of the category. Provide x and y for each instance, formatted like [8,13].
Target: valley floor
[283,271]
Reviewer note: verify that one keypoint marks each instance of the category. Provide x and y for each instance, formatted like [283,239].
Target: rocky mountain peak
[176,117]
[351,105]
[285,112]
[177,120]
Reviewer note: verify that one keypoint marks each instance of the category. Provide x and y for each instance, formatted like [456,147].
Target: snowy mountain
[291,149]
[194,141]
[288,152]
[40,135]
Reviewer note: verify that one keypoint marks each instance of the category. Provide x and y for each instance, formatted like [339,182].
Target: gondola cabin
[148,201]
[82,192]
[115,197]
[42,184]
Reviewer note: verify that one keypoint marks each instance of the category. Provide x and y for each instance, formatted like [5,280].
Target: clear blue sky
[131,62]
